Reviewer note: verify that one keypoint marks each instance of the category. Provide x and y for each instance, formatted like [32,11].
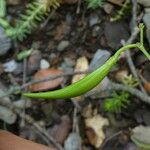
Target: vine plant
[90,81]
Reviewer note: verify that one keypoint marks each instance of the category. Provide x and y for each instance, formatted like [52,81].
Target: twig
[75,127]
[24,71]
[133,36]
[110,138]
[18,88]
[126,88]
[23,82]
[133,91]
[78,7]
[31,121]
[134,13]
[53,77]
[41,135]
[135,31]
[47,20]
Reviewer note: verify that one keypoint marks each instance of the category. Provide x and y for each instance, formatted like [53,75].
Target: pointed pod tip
[26,94]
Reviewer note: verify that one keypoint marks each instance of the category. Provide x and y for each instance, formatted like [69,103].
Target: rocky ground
[75,38]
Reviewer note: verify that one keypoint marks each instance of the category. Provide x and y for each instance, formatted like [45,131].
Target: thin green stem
[124,48]
[141,27]
[139,45]
[142,48]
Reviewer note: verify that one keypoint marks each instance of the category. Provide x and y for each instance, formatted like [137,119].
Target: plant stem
[141,27]
[142,48]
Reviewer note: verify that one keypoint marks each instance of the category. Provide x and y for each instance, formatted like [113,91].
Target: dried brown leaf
[10,141]
[51,84]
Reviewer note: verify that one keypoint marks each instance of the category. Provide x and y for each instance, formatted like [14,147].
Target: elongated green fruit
[85,84]
[93,79]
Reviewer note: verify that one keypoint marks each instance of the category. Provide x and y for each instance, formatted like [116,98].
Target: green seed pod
[90,81]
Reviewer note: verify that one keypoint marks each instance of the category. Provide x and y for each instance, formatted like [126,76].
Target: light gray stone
[10,66]
[99,59]
[63,45]
[44,64]
[73,142]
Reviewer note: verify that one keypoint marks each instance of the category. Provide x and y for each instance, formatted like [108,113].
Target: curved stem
[126,47]
[142,48]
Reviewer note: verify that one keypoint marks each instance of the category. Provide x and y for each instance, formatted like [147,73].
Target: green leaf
[24,54]
[94,3]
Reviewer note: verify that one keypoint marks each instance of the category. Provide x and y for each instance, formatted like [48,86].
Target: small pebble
[66,68]
[99,59]
[34,62]
[22,103]
[93,20]
[73,142]
[10,66]
[69,62]
[19,69]
[7,115]
[96,31]
[44,64]
[63,45]
[114,32]
[108,8]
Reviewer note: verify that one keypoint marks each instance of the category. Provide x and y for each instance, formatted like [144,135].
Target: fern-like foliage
[131,81]
[93,4]
[35,12]
[117,102]
[121,12]
[120,100]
